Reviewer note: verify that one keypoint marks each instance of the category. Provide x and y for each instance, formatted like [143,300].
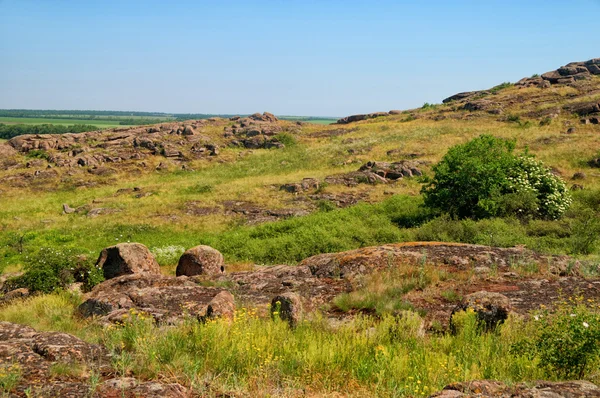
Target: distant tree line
[62,114]
[8,131]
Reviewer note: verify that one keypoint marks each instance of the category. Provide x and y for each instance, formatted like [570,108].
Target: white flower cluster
[531,176]
[167,254]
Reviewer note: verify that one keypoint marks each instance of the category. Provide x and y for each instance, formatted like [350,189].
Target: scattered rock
[127,258]
[358,118]
[129,387]
[200,260]
[221,306]
[491,308]
[495,389]
[375,172]
[68,209]
[305,185]
[14,294]
[577,187]
[288,307]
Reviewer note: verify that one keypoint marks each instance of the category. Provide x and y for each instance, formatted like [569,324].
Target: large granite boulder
[127,258]
[200,260]
[166,299]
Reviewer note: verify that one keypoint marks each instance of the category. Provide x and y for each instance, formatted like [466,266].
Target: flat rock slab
[166,299]
[260,286]
[494,389]
[369,259]
[33,354]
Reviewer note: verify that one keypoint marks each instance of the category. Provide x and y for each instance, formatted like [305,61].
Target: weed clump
[49,269]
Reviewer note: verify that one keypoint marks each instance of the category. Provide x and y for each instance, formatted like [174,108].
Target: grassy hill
[239,201]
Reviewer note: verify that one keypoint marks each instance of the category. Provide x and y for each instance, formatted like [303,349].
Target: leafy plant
[50,269]
[286,139]
[484,178]
[38,154]
[567,342]
[500,87]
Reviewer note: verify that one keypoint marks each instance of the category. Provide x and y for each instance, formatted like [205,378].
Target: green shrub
[50,269]
[585,232]
[567,341]
[484,178]
[500,87]
[286,139]
[38,154]
[200,188]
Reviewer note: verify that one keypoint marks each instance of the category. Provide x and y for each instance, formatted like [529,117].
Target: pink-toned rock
[127,258]
[200,260]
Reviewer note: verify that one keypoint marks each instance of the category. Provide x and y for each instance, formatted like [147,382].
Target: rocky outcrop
[7,150]
[34,355]
[255,132]
[122,146]
[369,259]
[495,389]
[200,260]
[125,259]
[358,118]
[375,172]
[465,95]
[567,75]
[166,299]
[261,285]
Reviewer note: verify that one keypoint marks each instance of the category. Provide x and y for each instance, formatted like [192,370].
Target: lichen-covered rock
[127,258]
[166,299]
[128,387]
[491,308]
[200,260]
[540,389]
[221,306]
[34,356]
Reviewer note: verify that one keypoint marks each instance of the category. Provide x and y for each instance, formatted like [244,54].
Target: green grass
[386,357]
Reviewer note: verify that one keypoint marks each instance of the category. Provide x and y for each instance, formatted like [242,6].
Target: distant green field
[308,119]
[65,122]
[321,121]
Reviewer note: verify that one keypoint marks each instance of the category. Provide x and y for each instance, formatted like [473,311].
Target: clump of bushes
[566,342]
[50,269]
[484,178]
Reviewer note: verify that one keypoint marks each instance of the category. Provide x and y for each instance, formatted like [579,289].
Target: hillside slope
[181,180]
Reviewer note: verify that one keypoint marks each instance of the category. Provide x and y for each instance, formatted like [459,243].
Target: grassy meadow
[163,218]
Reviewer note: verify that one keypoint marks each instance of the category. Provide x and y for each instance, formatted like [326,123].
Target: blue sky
[287,57]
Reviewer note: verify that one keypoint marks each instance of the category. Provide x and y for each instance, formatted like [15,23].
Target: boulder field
[202,288]
[492,287]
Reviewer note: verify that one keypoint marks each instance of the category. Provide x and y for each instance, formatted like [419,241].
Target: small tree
[484,178]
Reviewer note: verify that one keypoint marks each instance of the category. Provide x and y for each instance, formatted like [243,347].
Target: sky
[288,57]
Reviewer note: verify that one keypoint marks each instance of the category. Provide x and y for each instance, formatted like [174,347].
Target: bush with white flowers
[484,178]
[532,177]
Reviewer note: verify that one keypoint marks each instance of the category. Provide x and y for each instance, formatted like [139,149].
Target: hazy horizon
[290,58]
